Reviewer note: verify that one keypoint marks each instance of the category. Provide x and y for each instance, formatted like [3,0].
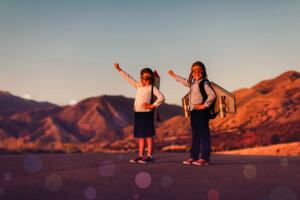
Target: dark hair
[149,71]
[200,64]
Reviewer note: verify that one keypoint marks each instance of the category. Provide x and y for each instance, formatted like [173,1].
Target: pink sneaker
[188,161]
[200,162]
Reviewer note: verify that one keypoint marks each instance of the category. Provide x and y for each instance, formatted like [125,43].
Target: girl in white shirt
[199,110]
[143,111]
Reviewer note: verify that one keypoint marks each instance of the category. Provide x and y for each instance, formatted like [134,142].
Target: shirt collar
[198,81]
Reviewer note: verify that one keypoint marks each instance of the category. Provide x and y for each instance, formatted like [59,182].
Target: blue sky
[60,50]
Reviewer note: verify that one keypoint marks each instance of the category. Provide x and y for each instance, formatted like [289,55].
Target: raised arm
[179,79]
[127,77]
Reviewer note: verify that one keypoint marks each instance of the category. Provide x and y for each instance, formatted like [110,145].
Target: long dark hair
[204,74]
[149,71]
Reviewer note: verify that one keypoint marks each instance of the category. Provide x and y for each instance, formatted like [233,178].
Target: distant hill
[10,104]
[93,120]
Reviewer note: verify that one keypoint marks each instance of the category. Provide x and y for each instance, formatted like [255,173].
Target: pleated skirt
[144,124]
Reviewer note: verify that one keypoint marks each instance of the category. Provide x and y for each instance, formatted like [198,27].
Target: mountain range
[267,113]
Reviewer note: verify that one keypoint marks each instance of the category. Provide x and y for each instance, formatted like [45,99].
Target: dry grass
[287,149]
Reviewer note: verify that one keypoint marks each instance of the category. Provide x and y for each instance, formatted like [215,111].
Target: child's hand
[117,66]
[148,106]
[200,107]
[171,73]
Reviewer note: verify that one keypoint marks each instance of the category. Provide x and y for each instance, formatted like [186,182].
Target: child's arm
[211,96]
[179,79]
[160,99]
[131,80]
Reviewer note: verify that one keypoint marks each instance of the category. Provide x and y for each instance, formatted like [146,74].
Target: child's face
[146,79]
[197,72]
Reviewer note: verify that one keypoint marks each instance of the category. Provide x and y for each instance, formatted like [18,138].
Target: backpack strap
[202,89]
[152,98]
[212,113]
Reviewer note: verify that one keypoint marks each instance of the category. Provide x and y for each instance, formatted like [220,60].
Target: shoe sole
[132,161]
[143,162]
[205,164]
[186,163]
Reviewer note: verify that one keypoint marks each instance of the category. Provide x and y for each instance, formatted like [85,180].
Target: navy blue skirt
[144,124]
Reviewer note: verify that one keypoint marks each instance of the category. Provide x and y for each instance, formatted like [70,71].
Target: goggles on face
[146,78]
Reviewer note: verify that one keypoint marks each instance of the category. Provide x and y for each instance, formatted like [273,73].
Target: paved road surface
[111,176]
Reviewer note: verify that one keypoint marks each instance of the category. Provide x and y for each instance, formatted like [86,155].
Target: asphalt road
[111,176]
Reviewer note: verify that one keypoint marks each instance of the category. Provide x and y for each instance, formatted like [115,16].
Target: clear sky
[62,50]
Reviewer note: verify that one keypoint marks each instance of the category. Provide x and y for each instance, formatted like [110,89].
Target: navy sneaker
[148,159]
[136,160]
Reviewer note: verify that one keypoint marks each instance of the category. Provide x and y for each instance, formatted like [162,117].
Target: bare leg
[149,146]
[141,146]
